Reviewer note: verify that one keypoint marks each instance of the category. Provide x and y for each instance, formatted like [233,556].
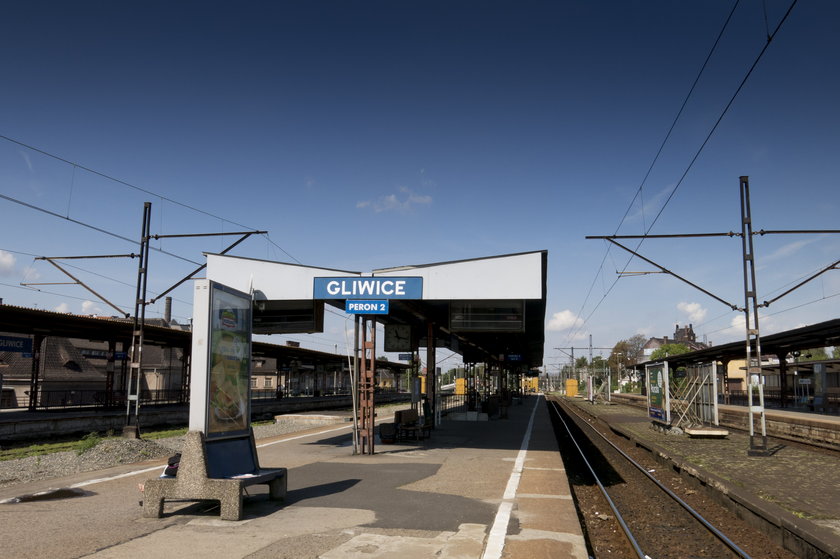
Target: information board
[657,389]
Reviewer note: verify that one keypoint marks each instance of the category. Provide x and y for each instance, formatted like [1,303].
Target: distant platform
[705,432]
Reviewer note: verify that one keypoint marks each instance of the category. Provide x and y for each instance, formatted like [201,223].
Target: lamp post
[619,366]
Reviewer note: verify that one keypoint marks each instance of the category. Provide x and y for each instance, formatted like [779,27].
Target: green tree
[619,357]
[636,348]
[668,350]
[815,354]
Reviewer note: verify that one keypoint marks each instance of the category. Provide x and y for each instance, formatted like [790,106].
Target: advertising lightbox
[659,407]
[220,399]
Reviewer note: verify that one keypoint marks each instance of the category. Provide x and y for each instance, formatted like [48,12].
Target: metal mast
[755,379]
[135,371]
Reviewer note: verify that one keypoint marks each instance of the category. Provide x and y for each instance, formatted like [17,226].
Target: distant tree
[815,354]
[668,350]
[636,348]
[619,356]
[628,352]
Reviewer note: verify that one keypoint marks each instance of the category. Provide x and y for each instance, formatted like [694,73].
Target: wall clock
[397,337]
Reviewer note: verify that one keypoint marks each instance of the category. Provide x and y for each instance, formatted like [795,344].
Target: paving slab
[474,489]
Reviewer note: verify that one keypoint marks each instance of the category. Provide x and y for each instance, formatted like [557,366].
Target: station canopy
[485,309]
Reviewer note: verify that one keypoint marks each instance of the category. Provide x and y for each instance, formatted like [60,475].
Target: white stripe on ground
[496,539]
[104,479]
[153,468]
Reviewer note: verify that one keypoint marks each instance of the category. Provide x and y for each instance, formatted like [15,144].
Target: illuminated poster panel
[229,362]
[659,406]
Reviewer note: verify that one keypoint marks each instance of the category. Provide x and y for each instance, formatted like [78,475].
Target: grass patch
[37,450]
[88,442]
[78,446]
[164,434]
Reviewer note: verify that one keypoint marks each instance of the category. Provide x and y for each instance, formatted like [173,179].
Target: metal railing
[79,399]
[829,404]
[98,399]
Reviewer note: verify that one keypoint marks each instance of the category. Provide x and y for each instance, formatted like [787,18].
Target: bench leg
[277,488]
[232,503]
[152,500]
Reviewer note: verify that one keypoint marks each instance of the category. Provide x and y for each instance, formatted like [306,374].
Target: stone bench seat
[194,483]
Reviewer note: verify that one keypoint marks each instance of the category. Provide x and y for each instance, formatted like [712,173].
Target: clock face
[397,337]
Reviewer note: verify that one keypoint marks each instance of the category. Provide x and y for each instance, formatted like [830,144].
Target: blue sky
[376,134]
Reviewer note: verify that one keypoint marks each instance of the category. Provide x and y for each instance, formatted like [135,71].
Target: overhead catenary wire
[90,226]
[68,265]
[114,179]
[640,188]
[158,249]
[696,155]
[76,165]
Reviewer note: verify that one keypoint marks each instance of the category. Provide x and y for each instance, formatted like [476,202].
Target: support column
[366,388]
[724,367]
[782,378]
[110,368]
[37,341]
[186,370]
[431,380]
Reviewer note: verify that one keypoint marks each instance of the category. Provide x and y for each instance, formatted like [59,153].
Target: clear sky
[365,134]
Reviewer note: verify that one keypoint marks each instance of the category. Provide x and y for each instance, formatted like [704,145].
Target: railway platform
[794,492]
[473,489]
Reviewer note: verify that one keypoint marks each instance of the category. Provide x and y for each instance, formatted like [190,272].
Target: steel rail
[626,529]
[717,533]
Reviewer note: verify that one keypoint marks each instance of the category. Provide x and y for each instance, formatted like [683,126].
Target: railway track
[627,512]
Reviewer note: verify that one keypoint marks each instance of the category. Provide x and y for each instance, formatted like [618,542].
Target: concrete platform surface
[474,489]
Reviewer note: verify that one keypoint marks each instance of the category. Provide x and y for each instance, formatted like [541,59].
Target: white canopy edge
[514,276]
[274,281]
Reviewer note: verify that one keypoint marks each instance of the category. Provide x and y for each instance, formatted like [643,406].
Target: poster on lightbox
[659,406]
[229,409]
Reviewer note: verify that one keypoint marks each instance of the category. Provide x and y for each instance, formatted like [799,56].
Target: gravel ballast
[111,452]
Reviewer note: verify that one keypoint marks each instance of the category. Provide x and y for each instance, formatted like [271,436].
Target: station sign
[405,356]
[366,307]
[355,287]
[16,345]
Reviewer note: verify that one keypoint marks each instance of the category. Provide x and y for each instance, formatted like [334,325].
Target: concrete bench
[208,471]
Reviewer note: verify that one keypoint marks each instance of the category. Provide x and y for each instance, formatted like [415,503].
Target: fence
[830,404]
[448,402]
[97,399]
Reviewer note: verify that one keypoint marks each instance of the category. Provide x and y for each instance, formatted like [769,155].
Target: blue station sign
[367,306]
[368,288]
[16,345]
